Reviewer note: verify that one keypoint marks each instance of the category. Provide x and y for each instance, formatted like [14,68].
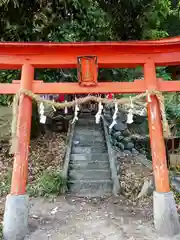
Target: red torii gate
[88,57]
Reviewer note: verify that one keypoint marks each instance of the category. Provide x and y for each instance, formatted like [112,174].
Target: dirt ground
[114,218]
[78,219]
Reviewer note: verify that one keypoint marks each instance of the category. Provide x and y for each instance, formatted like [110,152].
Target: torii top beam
[163,52]
[110,54]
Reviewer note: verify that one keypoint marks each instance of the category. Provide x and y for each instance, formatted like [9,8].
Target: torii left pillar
[15,224]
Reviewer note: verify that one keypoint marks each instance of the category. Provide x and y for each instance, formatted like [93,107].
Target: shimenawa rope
[81,101]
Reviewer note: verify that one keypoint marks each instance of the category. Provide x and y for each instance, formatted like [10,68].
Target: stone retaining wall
[128,138]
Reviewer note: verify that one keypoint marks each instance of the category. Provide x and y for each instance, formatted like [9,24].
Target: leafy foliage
[127,17]
[49,183]
[72,20]
[161,72]
[172,23]
[154,20]
[7,77]
[141,19]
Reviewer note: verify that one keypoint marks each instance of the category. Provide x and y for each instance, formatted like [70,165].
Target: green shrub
[49,183]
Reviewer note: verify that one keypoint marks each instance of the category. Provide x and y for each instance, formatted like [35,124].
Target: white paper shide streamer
[99,113]
[114,116]
[75,114]
[130,113]
[66,109]
[53,107]
[41,113]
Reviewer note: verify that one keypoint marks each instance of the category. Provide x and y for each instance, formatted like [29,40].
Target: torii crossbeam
[87,58]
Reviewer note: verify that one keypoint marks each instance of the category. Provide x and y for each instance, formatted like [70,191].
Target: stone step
[86,121]
[82,150]
[90,121]
[88,149]
[89,165]
[87,117]
[90,188]
[90,139]
[89,170]
[90,174]
[86,132]
[89,157]
[89,143]
[86,114]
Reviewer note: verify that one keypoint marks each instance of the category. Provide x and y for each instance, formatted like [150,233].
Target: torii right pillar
[166,219]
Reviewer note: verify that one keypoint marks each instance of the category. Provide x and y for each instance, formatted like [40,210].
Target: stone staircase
[89,172]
